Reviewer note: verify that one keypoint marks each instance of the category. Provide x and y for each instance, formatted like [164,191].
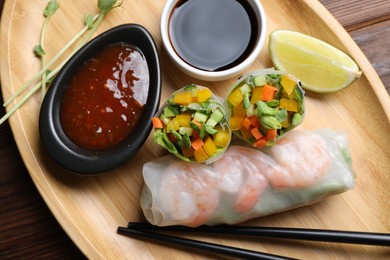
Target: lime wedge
[320,66]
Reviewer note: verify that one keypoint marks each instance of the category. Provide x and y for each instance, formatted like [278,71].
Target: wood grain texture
[36,234]
[355,14]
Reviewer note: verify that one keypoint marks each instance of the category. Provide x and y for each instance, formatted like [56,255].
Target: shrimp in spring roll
[263,105]
[246,183]
[192,125]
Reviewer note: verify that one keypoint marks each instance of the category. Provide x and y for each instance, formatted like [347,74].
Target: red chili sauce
[105,98]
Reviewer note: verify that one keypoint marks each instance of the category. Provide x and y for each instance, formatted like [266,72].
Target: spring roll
[263,105]
[192,125]
[247,183]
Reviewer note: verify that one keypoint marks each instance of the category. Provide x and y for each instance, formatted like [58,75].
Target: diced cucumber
[164,118]
[210,130]
[296,119]
[260,80]
[245,89]
[185,130]
[250,110]
[200,117]
[217,115]
[211,122]
[170,111]
[247,101]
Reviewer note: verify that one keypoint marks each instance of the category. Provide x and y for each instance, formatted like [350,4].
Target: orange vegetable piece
[187,152]
[200,155]
[271,134]
[268,92]
[255,121]
[246,133]
[157,122]
[256,133]
[197,144]
[172,138]
[261,142]
[246,123]
[239,110]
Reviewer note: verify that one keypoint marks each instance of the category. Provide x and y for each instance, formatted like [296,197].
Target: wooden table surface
[27,227]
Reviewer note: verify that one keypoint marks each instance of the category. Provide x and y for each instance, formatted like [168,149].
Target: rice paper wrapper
[247,183]
[264,105]
[195,125]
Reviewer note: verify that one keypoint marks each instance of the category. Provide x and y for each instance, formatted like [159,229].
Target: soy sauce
[213,35]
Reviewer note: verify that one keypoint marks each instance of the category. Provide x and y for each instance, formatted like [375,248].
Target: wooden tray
[91,208]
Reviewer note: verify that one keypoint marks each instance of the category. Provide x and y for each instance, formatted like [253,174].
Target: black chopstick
[201,245]
[321,235]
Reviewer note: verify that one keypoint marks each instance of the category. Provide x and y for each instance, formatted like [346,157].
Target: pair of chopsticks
[146,230]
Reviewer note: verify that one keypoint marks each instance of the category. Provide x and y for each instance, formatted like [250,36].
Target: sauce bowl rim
[212,75]
[60,148]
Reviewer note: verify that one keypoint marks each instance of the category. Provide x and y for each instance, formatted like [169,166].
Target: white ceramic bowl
[213,75]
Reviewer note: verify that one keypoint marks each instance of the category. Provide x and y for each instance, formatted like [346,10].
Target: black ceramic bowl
[53,137]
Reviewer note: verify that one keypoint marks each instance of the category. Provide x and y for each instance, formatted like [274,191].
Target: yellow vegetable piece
[183,98]
[200,155]
[209,146]
[173,124]
[203,94]
[289,105]
[286,123]
[236,122]
[239,111]
[236,97]
[257,94]
[288,84]
[222,137]
[184,119]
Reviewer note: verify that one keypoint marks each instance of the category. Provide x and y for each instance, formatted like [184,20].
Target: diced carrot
[197,144]
[268,92]
[261,142]
[172,138]
[271,134]
[246,133]
[195,134]
[199,125]
[187,152]
[255,121]
[157,122]
[246,123]
[256,133]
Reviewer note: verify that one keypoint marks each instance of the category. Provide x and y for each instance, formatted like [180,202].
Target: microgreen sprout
[92,22]
[39,49]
